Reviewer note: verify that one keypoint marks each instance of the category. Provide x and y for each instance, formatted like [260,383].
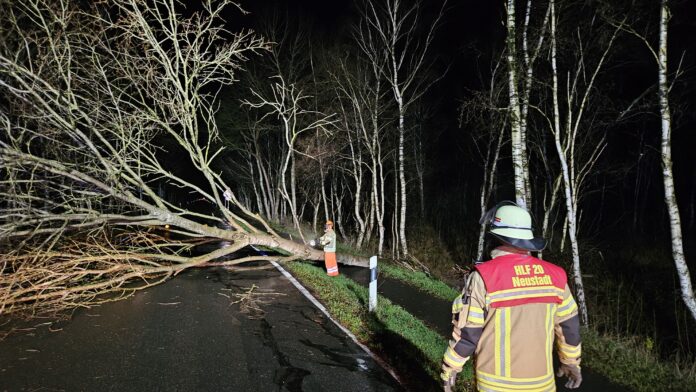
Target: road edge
[321,307]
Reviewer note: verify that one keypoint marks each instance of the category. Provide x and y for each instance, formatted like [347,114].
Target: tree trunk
[518,148]
[323,192]
[683,274]
[548,209]
[487,189]
[357,169]
[402,179]
[570,207]
[419,160]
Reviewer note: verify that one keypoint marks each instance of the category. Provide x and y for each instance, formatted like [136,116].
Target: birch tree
[683,274]
[395,28]
[287,102]
[566,128]
[375,59]
[284,100]
[519,89]
[354,129]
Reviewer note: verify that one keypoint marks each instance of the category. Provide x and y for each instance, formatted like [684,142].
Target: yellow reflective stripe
[475,309]
[567,309]
[498,348]
[551,288]
[521,296]
[509,383]
[568,348]
[457,304]
[508,333]
[549,340]
[571,356]
[566,301]
[512,379]
[474,319]
[453,359]
[507,387]
[550,388]
[475,315]
[502,341]
[525,292]
[570,351]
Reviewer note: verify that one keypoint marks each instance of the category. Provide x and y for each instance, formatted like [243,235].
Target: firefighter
[510,311]
[328,240]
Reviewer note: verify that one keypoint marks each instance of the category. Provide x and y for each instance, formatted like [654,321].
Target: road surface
[187,335]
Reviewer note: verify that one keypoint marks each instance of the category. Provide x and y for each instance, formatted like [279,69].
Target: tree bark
[570,207]
[687,291]
[518,147]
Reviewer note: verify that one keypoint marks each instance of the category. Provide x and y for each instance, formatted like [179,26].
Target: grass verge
[421,281]
[409,346]
[633,364]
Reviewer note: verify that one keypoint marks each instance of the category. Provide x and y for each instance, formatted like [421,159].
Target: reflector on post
[373,283]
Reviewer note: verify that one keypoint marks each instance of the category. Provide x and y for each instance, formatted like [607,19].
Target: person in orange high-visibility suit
[511,310]
[328,240]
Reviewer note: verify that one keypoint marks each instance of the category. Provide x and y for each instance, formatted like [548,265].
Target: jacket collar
[508,250]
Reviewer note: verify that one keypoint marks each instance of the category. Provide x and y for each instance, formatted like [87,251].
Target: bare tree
[287,102]
[660,56]
[88,95]
[375,59]
[519,88]
[566,129]
[487,109]
[393,35]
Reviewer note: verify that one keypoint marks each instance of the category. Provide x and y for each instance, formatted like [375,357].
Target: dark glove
[573,373]
[449,378]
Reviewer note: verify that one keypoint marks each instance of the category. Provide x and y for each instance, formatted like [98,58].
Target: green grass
[403,340]
[421,281]
[342,247]
[633,363]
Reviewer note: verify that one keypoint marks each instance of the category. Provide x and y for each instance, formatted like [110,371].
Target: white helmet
[512,224]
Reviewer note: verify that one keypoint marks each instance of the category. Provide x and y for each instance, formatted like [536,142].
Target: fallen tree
[91,95]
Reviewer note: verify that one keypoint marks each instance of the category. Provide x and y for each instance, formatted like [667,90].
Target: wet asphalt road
[187,335]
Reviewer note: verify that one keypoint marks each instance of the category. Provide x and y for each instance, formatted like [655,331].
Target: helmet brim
[512,232]
[533,244]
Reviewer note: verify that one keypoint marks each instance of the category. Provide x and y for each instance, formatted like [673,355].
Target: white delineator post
[373,283]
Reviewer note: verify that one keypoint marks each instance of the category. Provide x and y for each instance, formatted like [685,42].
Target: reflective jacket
[508,316]
[329,241]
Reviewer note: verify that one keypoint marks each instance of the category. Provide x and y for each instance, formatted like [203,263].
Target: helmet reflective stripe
[513,222]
